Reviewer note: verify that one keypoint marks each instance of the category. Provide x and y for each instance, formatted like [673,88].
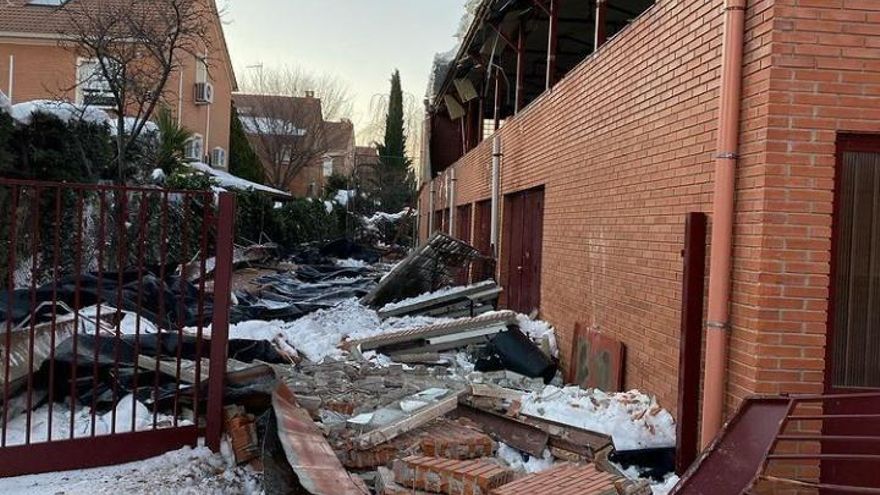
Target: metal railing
[104,352]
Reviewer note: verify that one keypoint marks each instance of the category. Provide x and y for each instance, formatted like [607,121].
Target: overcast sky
[361,41]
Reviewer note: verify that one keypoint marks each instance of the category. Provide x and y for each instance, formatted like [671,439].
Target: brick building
[35,65]
[298,148]
[607,143]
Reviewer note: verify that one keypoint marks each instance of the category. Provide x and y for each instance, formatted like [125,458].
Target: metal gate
[113,339]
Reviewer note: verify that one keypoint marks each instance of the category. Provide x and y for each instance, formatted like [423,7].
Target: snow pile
[351,263]
[381,216]
[130,123]
[328,205]
[158,175]
[67,112]
[226,180]
[539,331]
[446,291]
[632,419]
[16,434]
[186,471]
[130,324]
[317,336]
[522,462]
[5,104]
[662,488]
[343,197]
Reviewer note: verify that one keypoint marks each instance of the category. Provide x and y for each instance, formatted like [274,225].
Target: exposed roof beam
[540,5]
[504,38]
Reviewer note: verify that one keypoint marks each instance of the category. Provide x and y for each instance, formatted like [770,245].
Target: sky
[359,41]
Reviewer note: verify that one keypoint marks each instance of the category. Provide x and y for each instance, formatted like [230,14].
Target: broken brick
[564,479]
[455,440]
[449,476]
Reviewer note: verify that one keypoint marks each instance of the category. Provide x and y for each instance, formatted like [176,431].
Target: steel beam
[601,27]
[552,42]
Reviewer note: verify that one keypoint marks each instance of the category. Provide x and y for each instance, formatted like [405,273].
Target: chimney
[310,94]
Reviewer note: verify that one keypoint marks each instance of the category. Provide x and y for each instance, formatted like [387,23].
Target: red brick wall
[623,146]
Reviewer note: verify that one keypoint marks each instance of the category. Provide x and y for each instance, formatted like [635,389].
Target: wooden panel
[523,246]
[463,233]
[597,360]
[534,229]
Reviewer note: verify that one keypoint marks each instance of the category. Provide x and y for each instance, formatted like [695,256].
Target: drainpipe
[496,191]
[718,320]
[11,77]
[452,202]
[431,208]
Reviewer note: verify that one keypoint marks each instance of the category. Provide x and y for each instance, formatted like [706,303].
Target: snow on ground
[522,462]
[66,112]
[82,422]
[633,420]
[186,471]
[662,488]
[446,291]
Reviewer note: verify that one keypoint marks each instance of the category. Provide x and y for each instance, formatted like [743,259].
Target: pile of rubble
[436,392]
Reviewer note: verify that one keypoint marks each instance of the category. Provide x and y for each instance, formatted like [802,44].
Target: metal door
[523,246]
[853,348]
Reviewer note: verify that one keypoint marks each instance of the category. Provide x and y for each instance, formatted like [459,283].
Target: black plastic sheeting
[115,360]
[653,463]
[289,296]
[513,350]
[141,295]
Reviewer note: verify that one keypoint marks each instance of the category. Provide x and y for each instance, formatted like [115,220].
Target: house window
[286,154]
[195,148]
[93,89]
[328,166]
[218,158]
[312,189]
[201,70]
[856,283]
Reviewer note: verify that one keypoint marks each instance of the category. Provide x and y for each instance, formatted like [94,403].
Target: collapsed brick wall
[624,148]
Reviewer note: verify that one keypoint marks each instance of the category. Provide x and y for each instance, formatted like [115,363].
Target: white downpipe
[180,100]
[452,202]
[11,86]
[496,191]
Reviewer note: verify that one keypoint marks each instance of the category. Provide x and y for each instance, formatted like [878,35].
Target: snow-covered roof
[228,181]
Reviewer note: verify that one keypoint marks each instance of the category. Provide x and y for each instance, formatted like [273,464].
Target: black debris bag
[654,463]
[513,350]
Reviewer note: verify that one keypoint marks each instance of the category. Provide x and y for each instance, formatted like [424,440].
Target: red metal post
[601,27]
[220,321]
[12,246]
[691,342]
[552,42]
[520,66]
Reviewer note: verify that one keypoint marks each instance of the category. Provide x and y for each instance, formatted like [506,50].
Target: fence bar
[76,308]
[203,251]
[143,204]
[220,320]
[102,239]
[55,261]
[184,258]
[162,324]
[34,238]
[122,205]
[13,227]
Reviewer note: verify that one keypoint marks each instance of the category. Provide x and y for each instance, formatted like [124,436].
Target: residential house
[35,65]
[298,148]
[620,118]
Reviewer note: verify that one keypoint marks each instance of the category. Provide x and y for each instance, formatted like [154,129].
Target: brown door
[523,243]
[483,269]
[463,233]
[853,350]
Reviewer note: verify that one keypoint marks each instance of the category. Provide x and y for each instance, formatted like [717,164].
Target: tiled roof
[16,16]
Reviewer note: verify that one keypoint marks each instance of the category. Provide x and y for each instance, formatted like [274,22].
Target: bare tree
[283,111]
[134,46]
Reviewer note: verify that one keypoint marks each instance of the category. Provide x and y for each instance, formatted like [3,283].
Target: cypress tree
[396,180]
